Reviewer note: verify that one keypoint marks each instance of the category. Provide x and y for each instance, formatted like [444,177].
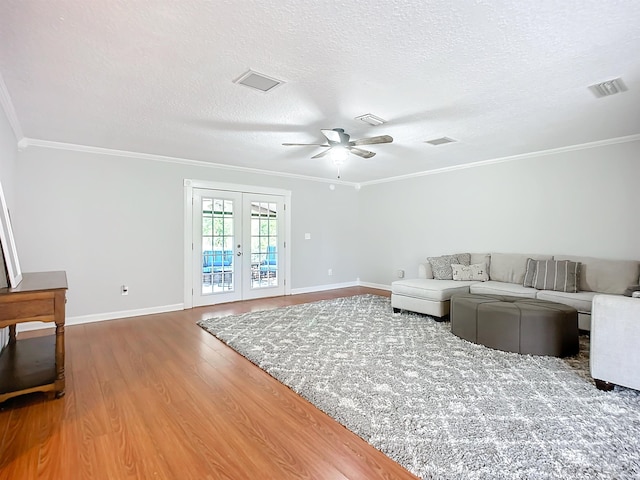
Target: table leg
[60,380]
[12,334]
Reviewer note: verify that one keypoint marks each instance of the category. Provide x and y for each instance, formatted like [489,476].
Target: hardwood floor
[158,397]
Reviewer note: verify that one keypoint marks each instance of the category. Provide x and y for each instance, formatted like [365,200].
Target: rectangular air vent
[258,81]
[371,119]
[610,87]
[440,141]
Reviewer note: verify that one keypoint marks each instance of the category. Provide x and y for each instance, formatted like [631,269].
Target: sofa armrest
[615,340]
[425,270]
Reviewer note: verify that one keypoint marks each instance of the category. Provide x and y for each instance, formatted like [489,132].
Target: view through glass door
[238,243]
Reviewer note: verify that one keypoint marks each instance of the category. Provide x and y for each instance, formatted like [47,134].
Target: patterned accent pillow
[464,258]
[477,271]
[557,275]
[441,266]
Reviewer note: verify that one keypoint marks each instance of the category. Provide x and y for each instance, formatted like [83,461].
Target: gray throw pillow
[557,275]
[441,266]
[530,273]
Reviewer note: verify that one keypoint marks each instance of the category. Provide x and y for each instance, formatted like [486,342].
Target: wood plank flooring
[157,397]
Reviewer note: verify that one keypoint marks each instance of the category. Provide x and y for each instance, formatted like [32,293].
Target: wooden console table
[33,364]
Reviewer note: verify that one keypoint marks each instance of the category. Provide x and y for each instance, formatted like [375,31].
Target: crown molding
[522,156]
[9,111]
[33,142]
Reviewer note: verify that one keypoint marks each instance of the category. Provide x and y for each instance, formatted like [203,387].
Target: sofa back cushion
[481,258]
[605,276]
[510,267]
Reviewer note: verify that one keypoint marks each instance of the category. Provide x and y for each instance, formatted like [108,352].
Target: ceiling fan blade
[332,135]
[361,153]
[305,144]
[373,140]
[322,154]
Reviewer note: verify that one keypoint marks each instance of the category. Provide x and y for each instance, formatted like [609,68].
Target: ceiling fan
[339,145]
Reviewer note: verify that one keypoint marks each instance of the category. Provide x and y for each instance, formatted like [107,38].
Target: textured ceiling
[502,77]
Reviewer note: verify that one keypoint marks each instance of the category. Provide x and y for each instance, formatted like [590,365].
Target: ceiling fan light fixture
[338,155]
[371,119]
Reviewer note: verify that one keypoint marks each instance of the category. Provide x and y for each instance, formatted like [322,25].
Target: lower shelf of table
[28,365]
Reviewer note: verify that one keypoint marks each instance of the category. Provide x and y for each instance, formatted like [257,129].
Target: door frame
[189,185]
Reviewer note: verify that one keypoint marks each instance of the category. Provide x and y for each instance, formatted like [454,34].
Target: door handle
[239,253]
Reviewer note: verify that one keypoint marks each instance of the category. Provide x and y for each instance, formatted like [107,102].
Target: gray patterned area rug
[440,406]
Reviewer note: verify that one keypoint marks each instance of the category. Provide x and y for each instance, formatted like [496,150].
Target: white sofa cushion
[510,267]
[502,288]
[429,288]
[605,276]
[581,301]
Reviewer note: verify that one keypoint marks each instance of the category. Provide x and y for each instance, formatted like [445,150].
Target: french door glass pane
[264,242]
[217,245]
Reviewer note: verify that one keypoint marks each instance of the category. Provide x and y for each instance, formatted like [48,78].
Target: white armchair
[615,341]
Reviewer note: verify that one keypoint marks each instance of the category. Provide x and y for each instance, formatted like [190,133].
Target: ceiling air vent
[610,87]
[440,141]
[258,81]
[371,119]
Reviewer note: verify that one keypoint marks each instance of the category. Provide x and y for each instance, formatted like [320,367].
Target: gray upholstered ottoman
[516,324]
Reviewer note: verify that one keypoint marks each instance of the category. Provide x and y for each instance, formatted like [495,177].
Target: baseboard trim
[379,286]
[322,288]
[100,317]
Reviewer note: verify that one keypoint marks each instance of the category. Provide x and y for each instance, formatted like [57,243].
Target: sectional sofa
[570,280]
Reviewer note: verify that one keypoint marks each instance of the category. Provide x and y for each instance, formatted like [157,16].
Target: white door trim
[189,185]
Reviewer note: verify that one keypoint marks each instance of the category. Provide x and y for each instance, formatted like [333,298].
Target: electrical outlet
[400,273]
[330,272]
[124,290]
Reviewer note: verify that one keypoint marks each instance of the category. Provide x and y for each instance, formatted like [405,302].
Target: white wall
[582,202]
[8,154]
[109,220]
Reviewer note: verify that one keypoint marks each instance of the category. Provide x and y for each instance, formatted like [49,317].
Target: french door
[238,246]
